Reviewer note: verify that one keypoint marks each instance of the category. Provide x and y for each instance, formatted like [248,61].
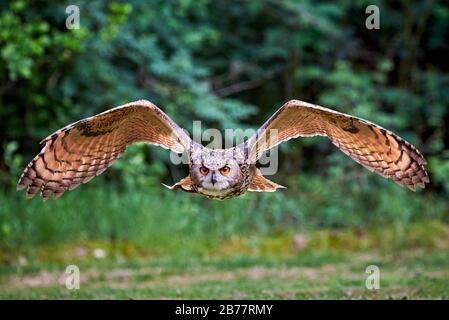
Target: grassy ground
[156,244]
[318,265]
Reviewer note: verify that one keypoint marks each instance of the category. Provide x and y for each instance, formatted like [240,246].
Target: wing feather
[80,151]
[374,147]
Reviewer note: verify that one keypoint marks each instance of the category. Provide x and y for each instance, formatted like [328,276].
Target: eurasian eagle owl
[82,150]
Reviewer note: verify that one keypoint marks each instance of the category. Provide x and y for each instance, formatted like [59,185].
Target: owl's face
[215,172]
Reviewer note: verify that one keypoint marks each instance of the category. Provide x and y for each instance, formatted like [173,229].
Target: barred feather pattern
[372,146]
[80,151]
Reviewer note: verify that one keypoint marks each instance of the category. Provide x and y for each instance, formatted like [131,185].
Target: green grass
[324,264]
[313,240]
[149,215]
[307,276]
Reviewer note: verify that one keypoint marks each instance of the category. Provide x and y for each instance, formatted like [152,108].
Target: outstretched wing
[82,150]
[370,145]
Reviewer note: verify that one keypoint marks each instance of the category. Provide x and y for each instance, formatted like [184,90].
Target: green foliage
[216,61]
[143,213]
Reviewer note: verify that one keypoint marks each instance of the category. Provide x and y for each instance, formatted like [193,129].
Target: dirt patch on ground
[144,277]
[318,280]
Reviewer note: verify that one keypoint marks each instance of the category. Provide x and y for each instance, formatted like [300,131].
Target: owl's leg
[184,184]
[262,184]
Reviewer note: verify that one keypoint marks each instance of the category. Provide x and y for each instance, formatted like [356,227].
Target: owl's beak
[212,178]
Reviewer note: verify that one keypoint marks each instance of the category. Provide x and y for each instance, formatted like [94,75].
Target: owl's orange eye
[225,170]
[204,171]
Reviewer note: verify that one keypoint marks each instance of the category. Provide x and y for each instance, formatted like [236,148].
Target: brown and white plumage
[80,151]
[372,146]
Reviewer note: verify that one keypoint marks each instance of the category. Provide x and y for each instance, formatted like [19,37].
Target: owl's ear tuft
[262,184]
[184,184]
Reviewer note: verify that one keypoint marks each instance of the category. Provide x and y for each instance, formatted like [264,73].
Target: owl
[84,149]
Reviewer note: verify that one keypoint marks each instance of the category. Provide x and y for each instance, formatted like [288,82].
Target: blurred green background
[230,64]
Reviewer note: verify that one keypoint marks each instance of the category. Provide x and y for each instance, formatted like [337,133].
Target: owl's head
[215,172]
